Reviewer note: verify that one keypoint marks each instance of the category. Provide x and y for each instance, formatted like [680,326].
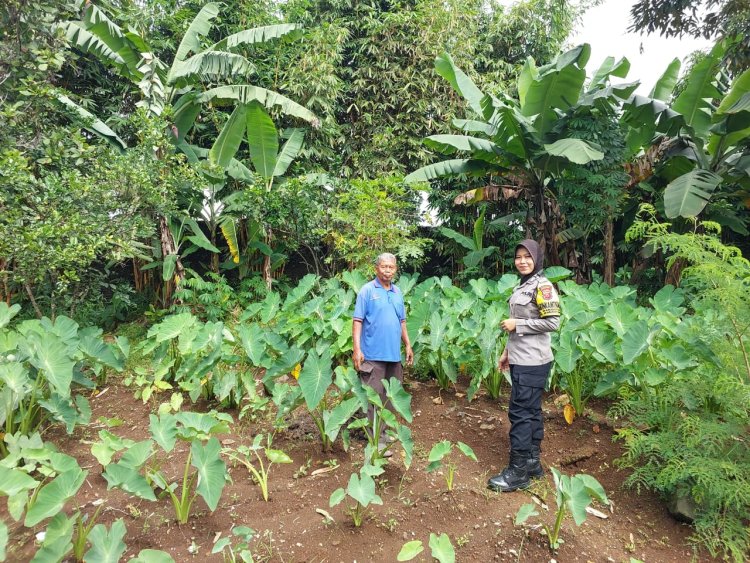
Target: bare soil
[415,503]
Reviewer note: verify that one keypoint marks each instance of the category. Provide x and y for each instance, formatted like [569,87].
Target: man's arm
[357,356]
[405,338]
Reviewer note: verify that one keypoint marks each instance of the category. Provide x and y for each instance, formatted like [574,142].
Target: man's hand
[502,363]
[358,357]
[508,325]
[409,356]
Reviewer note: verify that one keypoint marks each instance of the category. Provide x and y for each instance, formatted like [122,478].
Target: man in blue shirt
[379,327]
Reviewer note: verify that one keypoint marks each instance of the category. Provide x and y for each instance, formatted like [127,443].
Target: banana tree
[269,163]
[700,141]
[177,83]
[521,144]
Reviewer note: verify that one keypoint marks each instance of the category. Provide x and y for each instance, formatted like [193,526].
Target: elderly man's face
[386,270]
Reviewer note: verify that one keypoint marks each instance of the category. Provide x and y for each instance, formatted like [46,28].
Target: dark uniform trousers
[525,409]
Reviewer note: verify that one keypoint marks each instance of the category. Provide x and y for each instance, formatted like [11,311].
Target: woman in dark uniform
[534,313]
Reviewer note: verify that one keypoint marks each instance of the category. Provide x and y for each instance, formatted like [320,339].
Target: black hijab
[536,254]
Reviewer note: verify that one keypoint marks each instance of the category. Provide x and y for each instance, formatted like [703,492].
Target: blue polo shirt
[381,312]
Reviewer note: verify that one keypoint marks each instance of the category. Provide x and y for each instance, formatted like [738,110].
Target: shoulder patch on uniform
[546,290]
[547,300]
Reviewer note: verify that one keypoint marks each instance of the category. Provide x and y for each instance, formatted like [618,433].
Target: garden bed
[415,503]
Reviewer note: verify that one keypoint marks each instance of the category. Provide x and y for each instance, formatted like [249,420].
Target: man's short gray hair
[385,256]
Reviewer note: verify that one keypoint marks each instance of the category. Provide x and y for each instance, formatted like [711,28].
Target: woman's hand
[508,325]
[502,362]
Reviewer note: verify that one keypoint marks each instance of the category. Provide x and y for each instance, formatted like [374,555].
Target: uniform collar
[377,283]
[532,278]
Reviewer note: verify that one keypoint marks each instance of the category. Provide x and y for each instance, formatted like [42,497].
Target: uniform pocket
[523,307]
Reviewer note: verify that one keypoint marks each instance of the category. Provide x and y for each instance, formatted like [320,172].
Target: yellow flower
[296,370]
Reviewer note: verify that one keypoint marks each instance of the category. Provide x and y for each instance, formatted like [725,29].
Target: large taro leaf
[303,288]
[212,471]
[407,443]
[164,430]
[49,355]
[57,540]
[620,316]
[106,545]
[400,399]
[152,556]
[67,411]
[52,497]
[363,490]
[109,445]
[94,347]
[129,480]
[14,481]
[202,425]
[340,415]
[567,352]
[634,341]
[125,474]
[172,327]
[602,342]
[252,337]
[315,377]
[688,194]
[442,548]
[670,299]
[7,313]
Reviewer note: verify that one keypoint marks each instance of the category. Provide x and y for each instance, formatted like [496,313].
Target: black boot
[513,477]
[534,463]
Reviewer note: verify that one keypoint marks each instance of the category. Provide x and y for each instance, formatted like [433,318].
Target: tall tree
[370,64]
[712,19]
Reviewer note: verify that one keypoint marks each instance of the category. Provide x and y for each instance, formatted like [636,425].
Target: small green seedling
[441,549]
[361,488]
[440,451]
[242,454]
[573,495]
[240,549]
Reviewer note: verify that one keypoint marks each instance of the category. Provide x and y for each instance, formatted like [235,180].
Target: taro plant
[440,456]
[134,473]
[441,549]
[183,351]
[37,479]
[243,455]
[572,495]
[361,489]
[385,422]
[40,363]
[239,550]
